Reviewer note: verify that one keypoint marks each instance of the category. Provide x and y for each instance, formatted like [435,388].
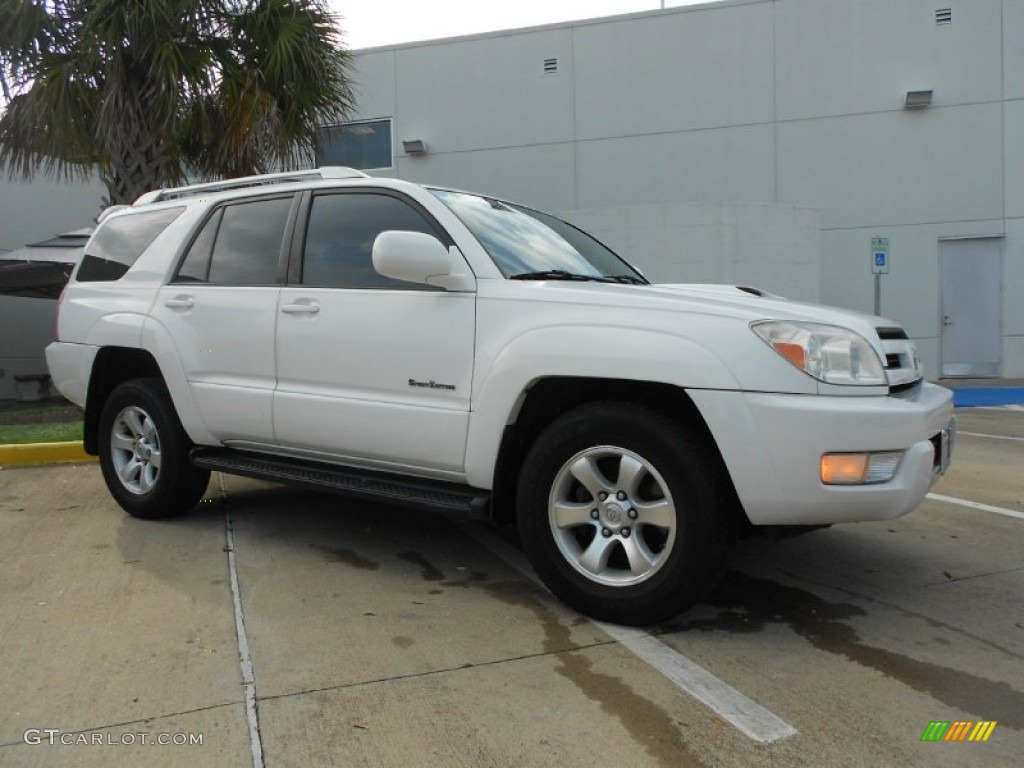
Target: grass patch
[60,432]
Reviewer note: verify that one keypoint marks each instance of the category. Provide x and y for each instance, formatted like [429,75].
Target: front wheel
[624,513]
[144,452]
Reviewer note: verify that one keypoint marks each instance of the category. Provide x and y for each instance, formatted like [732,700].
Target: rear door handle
[179,302]
[300,309]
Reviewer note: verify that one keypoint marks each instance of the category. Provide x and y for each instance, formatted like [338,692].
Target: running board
[394,489]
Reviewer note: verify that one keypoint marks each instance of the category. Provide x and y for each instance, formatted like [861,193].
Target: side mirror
[419,258]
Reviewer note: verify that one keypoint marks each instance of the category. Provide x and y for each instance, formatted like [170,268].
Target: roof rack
[265,179]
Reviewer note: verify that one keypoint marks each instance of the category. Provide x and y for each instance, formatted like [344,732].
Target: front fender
[572,351]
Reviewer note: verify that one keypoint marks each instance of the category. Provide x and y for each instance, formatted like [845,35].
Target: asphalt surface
[375,636]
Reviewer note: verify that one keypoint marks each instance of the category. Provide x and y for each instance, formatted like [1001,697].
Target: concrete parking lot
[297,629]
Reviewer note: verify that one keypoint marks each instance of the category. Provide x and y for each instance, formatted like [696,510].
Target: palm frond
[152,91]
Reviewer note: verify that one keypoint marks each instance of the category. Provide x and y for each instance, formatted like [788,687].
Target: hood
[748,305]
[767,306]
[890,340]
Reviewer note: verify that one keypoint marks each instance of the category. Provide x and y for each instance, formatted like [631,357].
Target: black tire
[679,549]
[144,452]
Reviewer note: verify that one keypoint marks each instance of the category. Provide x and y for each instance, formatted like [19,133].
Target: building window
[363,145]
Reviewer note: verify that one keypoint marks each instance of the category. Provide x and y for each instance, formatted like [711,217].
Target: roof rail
[192,190]
[105,214]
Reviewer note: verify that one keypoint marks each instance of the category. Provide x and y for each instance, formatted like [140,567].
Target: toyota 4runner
[449,350]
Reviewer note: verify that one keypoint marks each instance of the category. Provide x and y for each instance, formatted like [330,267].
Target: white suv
[450,350]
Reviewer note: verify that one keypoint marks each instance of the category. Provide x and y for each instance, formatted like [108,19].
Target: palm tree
[152,93]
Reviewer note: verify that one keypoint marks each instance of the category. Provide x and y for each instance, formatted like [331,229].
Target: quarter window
[339,239]
[119,243]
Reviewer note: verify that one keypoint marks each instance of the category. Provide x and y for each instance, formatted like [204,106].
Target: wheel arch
[149,472]
[548,398]
[114,365]
[111,367]
[637,356]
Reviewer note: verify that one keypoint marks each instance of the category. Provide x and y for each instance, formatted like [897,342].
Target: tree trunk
[135,171]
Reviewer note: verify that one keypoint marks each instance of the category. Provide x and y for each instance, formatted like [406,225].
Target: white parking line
[244,657]
[994,437]
[976,505]
[745,714]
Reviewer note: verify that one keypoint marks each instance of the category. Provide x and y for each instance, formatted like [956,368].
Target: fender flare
[654,356]
[158,342]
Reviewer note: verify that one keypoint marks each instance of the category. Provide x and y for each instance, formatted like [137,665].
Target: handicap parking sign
[880,255]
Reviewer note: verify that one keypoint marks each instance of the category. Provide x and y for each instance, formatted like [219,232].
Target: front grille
[897,389]
[936,441]
[902,368]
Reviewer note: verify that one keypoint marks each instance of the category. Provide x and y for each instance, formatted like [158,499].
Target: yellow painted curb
[15,455]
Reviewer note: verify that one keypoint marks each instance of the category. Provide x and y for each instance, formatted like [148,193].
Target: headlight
[829,353]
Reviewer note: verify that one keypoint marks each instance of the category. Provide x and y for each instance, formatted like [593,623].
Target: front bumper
[772,446]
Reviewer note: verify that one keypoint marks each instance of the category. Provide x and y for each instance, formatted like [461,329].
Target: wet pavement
[378,636]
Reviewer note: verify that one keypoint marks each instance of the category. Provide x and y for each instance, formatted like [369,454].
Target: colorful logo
[958,730]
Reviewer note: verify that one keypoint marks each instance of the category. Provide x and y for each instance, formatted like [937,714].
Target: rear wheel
[144,452]
[624,513]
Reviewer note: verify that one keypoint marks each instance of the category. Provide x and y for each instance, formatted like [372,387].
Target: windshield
[529,244]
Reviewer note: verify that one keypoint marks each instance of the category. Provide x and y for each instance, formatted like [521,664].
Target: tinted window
[246,239]
[196,266]
[33,279]
[340,235]
[357,145]
[119,242]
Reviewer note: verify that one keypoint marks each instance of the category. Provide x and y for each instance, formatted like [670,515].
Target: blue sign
[880,255]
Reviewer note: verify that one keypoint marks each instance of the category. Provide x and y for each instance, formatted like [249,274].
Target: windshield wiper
[559,274]
[629,279]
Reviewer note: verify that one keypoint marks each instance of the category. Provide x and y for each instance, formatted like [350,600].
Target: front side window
[339,239]
[120,241]
[240,244]
[525,243]
[364,145]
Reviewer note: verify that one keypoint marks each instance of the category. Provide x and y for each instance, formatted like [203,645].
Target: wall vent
[550,66]
[943,16]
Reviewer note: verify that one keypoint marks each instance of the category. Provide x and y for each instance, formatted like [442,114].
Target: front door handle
[179,302]
[300,309]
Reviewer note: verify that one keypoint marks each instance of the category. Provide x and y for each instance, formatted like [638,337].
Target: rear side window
[240,244]
[118,243]
[340,235]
